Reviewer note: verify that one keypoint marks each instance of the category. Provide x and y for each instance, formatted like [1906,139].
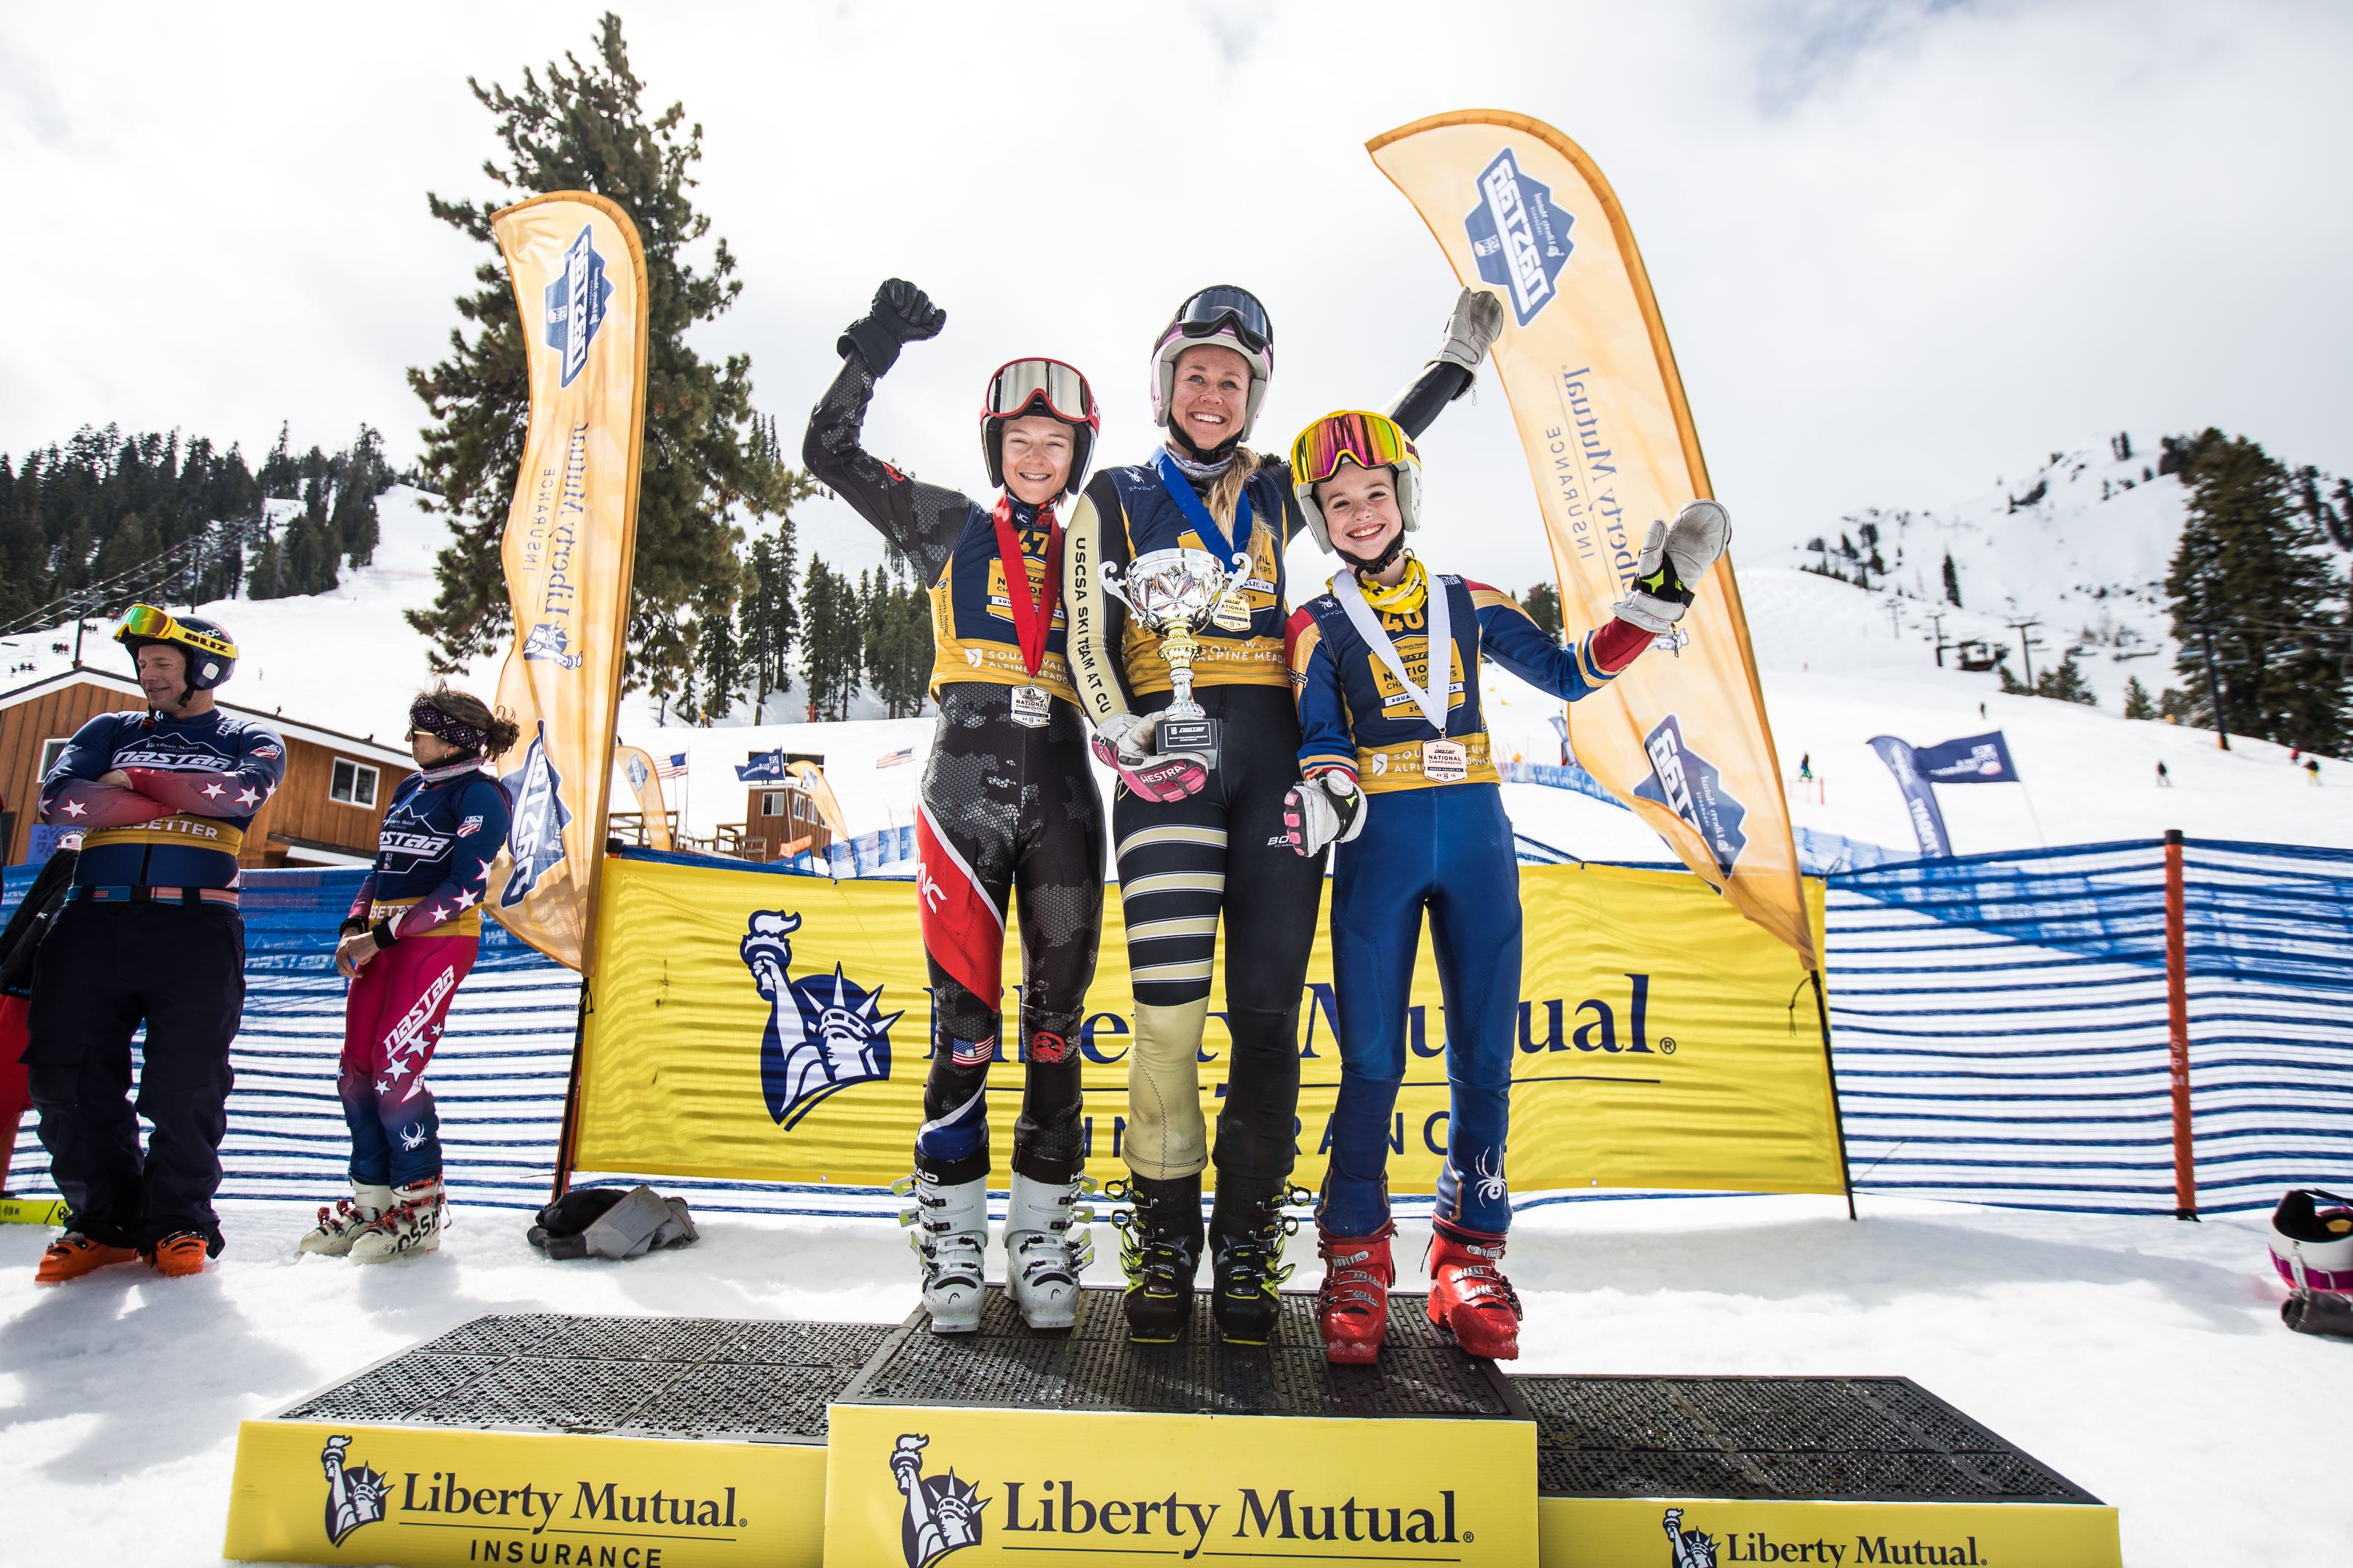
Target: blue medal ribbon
[1180,490]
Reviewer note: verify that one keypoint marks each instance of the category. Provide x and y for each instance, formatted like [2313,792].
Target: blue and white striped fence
[1998,1024]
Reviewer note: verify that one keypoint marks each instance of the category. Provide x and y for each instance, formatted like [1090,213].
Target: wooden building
[779,820]
[326,813]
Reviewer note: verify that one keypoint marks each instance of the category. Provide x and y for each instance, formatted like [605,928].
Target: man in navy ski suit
[150,933]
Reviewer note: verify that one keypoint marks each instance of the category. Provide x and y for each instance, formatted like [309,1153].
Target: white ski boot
[1042,1263]
[951,1236]
[340,1227]
[412,1223]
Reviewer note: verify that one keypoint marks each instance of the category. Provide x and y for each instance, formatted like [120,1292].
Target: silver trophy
[1172,593]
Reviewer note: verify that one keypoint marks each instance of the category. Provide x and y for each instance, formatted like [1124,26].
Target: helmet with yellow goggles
[205,645]
[1367,440]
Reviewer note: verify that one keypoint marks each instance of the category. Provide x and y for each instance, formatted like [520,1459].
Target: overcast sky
[1902,248]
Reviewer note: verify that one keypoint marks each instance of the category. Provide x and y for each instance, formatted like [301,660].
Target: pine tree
[1542,604]
[705,454]
[1952,582]
[832,648]
[2250,573]
[2065,684]
[2137,699]
[896,612]
[767,616]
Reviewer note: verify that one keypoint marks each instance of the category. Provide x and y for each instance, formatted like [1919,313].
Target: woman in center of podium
[1396,770]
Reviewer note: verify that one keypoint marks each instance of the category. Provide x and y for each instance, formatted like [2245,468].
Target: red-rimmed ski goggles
[1226,306]
[1019,384]
[1368,440]
[151,624]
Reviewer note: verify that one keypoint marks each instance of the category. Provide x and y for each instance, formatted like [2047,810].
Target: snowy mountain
[1840,665]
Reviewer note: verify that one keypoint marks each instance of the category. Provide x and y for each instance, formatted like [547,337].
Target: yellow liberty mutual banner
[761,1026]
[1659,1532]
[914,1484]
[571,538]
[1584,360]
[321,1492]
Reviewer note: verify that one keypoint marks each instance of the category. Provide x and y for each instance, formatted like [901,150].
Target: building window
[353,783]
[772,803]
[50,752]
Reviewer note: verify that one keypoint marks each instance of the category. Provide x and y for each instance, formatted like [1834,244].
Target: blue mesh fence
[1999,1027]
[1999,1024]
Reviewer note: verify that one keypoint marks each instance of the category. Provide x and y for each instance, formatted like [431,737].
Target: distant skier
[412,933]
[151,932]
[2164,779]
[2312,771]
[1397,772]
[1806,767]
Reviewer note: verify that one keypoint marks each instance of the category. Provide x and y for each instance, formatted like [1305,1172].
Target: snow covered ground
[2143,1359]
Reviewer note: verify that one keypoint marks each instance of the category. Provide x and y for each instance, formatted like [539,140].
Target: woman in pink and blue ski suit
[410,938]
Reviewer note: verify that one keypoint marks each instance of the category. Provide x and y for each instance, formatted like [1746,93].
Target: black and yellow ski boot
[1160,1251]
[1247,1229]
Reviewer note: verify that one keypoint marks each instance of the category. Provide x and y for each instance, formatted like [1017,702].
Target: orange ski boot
[181,1253]
[1352,1308]
[1469,1296]
[73,1255]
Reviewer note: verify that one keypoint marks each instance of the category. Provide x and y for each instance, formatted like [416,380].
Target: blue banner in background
[1972,759]
[764,767]
[1919,796]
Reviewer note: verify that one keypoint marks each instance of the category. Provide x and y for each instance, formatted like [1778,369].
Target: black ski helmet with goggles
[207,651]
[1046,386]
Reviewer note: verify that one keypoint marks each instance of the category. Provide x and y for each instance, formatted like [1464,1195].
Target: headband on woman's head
[424,715]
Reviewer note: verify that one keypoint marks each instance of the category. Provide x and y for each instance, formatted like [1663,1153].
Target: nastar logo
[1690,785]
[354,1493]
[576,304]
[943,1512]
[1518,238]
[547,642]
[536,840]
[824,1033]
[637,772]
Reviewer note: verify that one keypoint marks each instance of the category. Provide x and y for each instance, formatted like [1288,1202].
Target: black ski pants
[103,971]
[1182,866]
[1007,810]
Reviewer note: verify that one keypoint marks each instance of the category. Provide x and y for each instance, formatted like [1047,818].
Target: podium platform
[671,1443]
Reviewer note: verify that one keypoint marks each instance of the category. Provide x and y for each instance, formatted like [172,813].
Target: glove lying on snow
[605,1222]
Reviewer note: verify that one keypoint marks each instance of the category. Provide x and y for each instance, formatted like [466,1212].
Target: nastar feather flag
[1680,737]
[644,773]
[580,282]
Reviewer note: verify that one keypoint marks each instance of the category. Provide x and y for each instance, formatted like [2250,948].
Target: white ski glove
[1674,556]
[1326,810]
[1122,744]
[1471,328]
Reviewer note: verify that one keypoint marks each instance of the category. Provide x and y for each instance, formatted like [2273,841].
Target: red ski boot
[1469,1296]
[1352,1309]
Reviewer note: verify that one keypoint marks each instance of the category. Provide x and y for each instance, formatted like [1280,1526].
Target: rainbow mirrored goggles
[148,623]
[1367,440]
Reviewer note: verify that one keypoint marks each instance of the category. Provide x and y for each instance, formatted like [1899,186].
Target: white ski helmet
[1368,440]
[1224,317]
[2312,1243]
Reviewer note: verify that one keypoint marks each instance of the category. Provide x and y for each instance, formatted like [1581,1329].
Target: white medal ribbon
[1434,698]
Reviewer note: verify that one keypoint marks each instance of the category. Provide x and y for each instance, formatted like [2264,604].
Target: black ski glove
[902,314]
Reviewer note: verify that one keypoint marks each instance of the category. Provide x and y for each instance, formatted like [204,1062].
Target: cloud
[1901,248]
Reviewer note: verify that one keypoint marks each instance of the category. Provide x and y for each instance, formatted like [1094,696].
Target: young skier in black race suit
[1008,803]
[1188,858]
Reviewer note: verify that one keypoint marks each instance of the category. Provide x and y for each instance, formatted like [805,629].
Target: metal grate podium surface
[1875,1438]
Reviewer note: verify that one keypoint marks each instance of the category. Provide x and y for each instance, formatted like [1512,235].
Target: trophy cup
[1172,592]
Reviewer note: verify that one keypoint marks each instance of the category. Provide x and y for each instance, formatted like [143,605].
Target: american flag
[892,759]
[670,767]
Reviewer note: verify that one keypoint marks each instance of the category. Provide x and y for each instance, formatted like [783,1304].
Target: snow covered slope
[1839,667]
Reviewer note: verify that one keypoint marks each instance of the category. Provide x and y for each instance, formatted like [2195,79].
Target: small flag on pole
[894,759]
[671,767]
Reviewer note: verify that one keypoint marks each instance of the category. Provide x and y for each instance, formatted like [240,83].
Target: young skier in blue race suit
[1396,769]
[412,933]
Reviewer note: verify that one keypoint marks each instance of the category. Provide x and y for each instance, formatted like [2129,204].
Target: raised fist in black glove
[902,314]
